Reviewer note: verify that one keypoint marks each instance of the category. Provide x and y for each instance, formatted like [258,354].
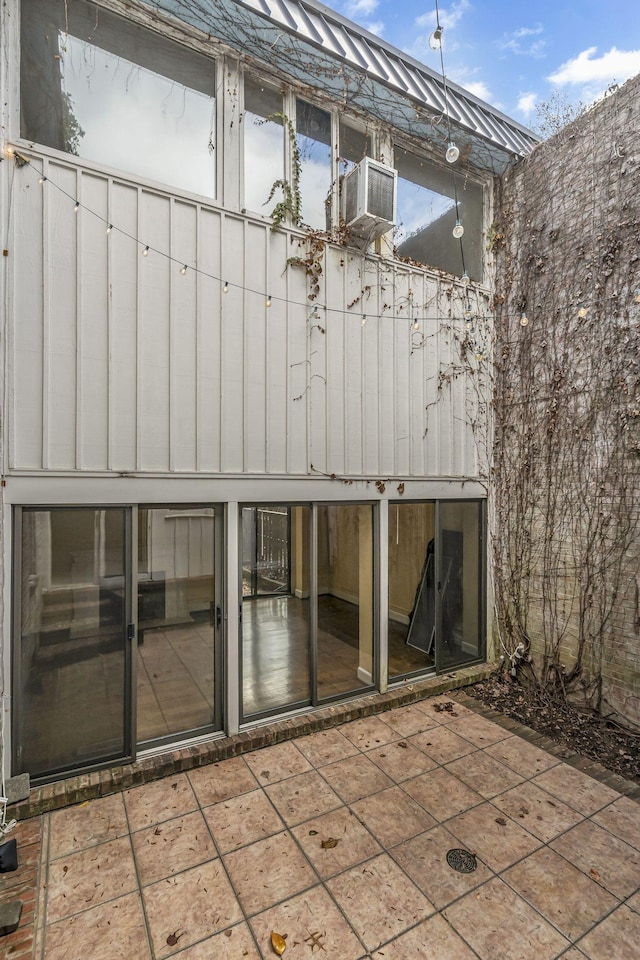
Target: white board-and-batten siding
[118,362]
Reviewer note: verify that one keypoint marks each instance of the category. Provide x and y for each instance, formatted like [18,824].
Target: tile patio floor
[205,864]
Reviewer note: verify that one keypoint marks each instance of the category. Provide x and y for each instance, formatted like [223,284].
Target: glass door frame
[129,634]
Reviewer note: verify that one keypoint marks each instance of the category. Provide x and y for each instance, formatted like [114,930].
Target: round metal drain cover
[461,860]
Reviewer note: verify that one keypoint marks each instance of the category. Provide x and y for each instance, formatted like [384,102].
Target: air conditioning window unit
[368,199]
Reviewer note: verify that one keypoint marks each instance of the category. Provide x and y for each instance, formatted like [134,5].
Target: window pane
[427,216]
[345,599]
[263,145]
[313,136]
[109,91]
[354,146]
[461,574]
[412,610]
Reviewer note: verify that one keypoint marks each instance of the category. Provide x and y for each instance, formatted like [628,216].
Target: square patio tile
[300,798]
[161,800]
[424,859]
[401,760]
[522,756]
[444,709]
[560,892]
[481,732]
[542,815]
[111,931]
[605,858]
[500,925]
[268,871]
[482,773]
[623,819]
[355,778]
[379,901]
[434,939]
[576,789]
[236,943]
[441,794]
[190,907]
[242,820]
[368,733]
[409,720]
[326,746]
[442,745]
[498,844]
[272,764]
[314,927]
[85,879]
[221,781]
[354,845]
[391,816]
[171,847]
[616,938]
[95,821]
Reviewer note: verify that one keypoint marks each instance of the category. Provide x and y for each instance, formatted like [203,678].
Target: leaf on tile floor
[157,832]
[403,744]
[278,943]
[594,874]
[266,774]
[501,821]
[173,938]
[329,843]
[313,833]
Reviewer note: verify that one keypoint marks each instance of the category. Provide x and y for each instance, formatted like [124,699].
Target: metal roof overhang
[319,41]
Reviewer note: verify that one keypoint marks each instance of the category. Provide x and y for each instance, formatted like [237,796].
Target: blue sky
[515,55]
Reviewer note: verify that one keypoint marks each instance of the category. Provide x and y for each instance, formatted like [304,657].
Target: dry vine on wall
[566,513]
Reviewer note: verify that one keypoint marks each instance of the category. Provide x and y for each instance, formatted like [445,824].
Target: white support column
[383,595]
[233,627]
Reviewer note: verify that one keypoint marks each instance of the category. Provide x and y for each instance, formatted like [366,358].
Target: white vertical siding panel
[333,321]
[374,304]
[298,461]
[458,404]
[402,360]
[60,442]
[444,406]
[27,259]
[433,400]
[155,281]
[417,404]
[317,351]
[93,323]
[257,319]
[232,345]
[386,377]
[354,333]
[208,345]
[276,357]
[184,309]
[124,263]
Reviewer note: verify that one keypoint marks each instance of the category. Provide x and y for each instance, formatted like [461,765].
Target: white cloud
[478,89]
[360,8]
[512,42]
[527,103]
[587,69]
[376,26]
[449,17]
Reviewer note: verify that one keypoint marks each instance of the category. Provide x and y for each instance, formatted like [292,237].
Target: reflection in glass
[313,137]
[73,646]
[412,612]
[345,599]
[263,144]
[110,91]
[176,611]
[275,608]
[460,536]
[427,216]
[354,146]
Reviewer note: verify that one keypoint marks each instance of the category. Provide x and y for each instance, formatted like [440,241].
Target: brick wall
[566,509]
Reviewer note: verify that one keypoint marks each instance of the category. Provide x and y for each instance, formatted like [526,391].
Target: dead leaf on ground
[403,744]
[313,833]
[594,873]
[329,843]
[501,821]
[173,938]
[278,943]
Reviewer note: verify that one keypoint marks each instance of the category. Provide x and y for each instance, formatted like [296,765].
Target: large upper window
[427,216]
[313,138]
[99,87]
[264,144]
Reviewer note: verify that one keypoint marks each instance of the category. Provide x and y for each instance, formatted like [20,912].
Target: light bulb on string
[416,324]
[225,288]
[636,296]
[76,206]
[42,179]
[435,38]
[465,279]
[452,153]
[364,319]
[183,270]
[109,228]
[468,312]
[458,230]
[582,311]
[268,300]
[145,252]
[524,319]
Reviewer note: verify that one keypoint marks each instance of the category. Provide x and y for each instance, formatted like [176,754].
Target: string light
[76,206]
[458,230]
[145,252]
[42,179]
[636,296]
[364,319]
[183,270]
[524,319]
[268,300]
[465,279]
[435,38]
[582,311]
[225,288]
[452,153]
[109,228]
